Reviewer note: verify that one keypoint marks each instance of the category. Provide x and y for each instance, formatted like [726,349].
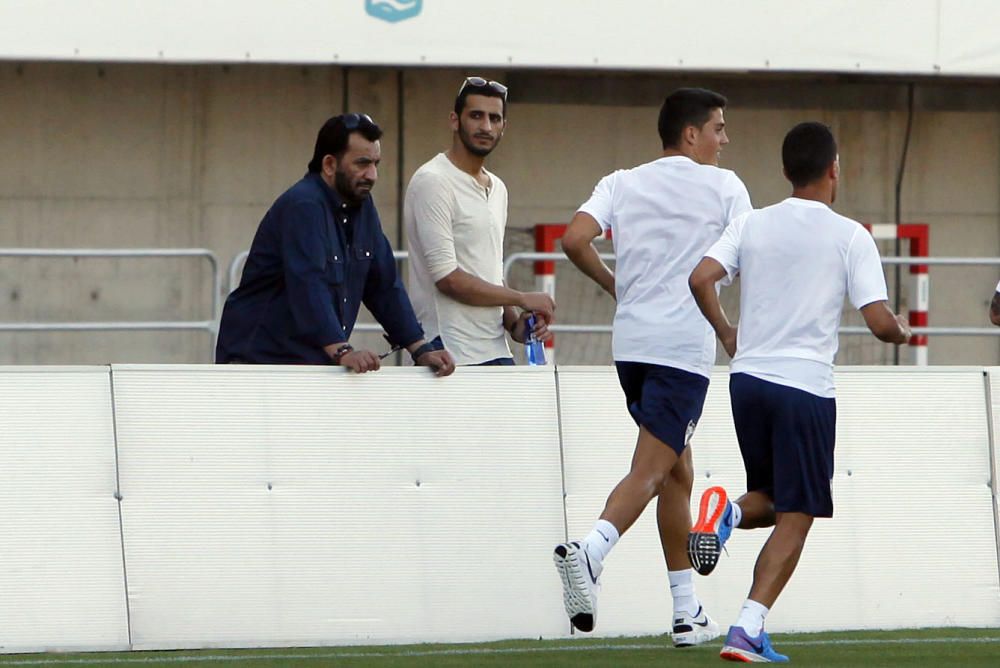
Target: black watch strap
[428,347]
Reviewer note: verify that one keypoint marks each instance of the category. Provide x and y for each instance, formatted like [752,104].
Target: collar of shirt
[810,203]
[667,159]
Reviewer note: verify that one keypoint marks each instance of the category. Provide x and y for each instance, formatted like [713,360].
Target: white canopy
[923,37]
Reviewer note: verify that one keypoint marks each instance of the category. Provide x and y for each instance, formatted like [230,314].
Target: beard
[354,193]
[473,148]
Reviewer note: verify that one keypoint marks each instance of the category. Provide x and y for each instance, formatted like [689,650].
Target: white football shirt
[797,260]
[663,216]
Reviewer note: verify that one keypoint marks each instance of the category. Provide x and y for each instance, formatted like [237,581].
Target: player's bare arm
[886,325]
[995,309]
[578,244]
[702,283]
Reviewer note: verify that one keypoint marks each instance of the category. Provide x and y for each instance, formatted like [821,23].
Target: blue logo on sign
[393,10]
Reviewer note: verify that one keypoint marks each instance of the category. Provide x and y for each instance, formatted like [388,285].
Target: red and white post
[919,238]
[546,236]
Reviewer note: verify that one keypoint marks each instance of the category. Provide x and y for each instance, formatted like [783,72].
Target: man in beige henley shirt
[455,212]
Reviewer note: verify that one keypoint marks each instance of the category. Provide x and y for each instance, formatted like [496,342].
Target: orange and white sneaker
[709,534]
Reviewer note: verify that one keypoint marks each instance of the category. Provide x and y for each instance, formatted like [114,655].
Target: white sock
[600,540]
[737,515]
[752,616]
[682,589]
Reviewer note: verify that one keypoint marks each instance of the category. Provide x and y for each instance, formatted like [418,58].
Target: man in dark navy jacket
[318,254]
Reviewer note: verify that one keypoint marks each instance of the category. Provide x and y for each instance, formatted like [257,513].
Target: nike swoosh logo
[757,647]
[606,539]
[586,559]
[699,614]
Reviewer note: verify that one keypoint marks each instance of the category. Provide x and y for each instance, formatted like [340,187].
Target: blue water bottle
[534,349]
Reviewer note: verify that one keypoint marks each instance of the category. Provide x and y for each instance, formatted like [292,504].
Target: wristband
[340,352]
[428,347]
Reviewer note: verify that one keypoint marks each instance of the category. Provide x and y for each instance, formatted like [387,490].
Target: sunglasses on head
[354,121]
[479,82]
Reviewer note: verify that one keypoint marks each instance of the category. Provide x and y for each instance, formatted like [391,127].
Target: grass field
[912,648]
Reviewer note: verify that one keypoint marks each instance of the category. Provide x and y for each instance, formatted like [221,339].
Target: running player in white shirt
[797,261]
[663,216]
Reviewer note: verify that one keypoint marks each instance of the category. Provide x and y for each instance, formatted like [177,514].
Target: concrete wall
[191,156]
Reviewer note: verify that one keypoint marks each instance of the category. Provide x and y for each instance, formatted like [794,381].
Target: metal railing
[235,268]
[210,325]
[530,256]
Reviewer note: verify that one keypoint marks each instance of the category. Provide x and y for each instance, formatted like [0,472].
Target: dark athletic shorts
[786,438]
[664,400]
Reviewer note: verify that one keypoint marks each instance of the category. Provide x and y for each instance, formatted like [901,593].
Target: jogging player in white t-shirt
[663,216]
[797,260]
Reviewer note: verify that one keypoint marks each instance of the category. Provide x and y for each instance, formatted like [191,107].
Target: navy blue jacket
[306,277]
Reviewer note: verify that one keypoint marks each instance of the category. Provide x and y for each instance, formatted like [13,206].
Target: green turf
[913,648]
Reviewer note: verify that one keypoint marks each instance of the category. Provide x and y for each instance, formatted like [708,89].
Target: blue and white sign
[393,10]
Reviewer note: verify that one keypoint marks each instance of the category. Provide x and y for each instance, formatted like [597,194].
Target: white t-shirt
[663,216]
[797,260]
[453,222]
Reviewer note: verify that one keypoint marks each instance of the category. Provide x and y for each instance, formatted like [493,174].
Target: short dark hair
[684,107]
[807,152]
[336,133]
[485,90]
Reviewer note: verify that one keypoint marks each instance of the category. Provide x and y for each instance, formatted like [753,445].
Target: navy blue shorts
[664,400]
[499,361]
[786,438]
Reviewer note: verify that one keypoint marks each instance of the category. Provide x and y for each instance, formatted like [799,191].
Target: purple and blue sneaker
[741,647]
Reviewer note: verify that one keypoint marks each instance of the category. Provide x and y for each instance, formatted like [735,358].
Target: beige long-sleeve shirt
[453,222]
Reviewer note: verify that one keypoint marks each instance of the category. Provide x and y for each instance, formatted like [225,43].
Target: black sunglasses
[479,82]
[354,121]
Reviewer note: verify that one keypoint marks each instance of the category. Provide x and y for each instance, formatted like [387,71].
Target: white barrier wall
[993,401]
[61,578]
[305,506]
[911,480]
[295,506]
